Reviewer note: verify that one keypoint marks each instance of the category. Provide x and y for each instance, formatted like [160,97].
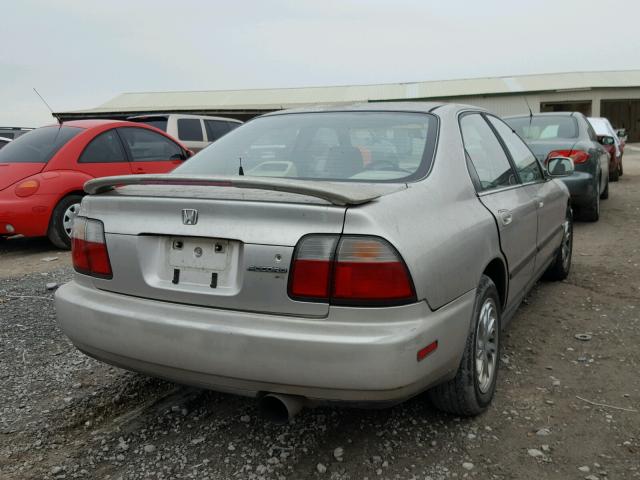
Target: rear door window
[524,161]
[105,148]
[190,129]
[490,165]
[39,145]
[147,146]
[216,129]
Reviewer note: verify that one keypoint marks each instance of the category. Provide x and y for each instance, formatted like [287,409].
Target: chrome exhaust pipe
[278,408]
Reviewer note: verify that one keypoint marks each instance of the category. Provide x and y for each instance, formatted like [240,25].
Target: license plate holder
[210,254]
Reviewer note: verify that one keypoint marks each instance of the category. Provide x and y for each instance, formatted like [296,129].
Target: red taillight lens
[27,188]
[311,267]
[89,248]
[369,269]
[578,156]
[363,271]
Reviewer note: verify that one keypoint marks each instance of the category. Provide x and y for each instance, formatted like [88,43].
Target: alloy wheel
[486,354]
[567,243]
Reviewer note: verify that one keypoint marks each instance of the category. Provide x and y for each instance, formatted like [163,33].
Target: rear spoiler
[337,193]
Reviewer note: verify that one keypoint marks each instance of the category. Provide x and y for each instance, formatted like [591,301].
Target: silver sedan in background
[357,254]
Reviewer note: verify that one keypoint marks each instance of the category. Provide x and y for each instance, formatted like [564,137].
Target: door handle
[540,204]
[505,216]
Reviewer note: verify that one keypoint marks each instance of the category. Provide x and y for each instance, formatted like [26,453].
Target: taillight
[27,188]
[350,270]
[311,267]
[578,156]
[89,248]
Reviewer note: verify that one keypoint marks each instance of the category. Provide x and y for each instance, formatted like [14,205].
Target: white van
[194,131]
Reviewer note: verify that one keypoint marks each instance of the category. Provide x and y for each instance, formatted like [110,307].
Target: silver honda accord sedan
[357,254]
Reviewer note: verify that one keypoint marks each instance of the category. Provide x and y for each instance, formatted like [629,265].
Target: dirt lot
[63,415]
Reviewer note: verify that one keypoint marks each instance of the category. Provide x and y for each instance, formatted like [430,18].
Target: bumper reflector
[424,352]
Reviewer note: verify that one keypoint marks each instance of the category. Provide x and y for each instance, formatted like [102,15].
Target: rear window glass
[190,129]
[544,127]
[343,146]
[38,146]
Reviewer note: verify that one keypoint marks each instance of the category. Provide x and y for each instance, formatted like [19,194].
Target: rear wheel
[559,269]
[470,392]
[614,174]
[591,213]
[62,221]
[620,171]
[605,193]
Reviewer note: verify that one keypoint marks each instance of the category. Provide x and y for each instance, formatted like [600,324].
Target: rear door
[104,155]
[500,191]
[149,151]
[550,197]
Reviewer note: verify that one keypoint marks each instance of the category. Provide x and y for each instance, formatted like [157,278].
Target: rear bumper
[581,186]
[354,355]
[28,216]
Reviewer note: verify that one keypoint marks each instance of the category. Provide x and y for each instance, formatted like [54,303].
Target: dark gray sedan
[569,134]
[359,253]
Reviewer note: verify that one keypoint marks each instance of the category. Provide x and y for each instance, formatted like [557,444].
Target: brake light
[578,156]
[89,248]
[311,267]
[27,188]
[351,270]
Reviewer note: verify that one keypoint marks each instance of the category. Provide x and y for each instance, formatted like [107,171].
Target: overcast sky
[79,54]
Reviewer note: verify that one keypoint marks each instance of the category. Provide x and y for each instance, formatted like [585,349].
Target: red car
[42,172]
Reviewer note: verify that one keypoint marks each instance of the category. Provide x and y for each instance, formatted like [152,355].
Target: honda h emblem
[189,216]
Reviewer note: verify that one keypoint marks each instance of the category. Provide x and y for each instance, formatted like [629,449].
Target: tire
[605,193]
[469,393]
[620,170]
[591,213]
[561,265]
[614,175]
[59,226]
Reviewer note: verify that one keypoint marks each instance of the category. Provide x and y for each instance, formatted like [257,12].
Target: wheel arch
[496,270]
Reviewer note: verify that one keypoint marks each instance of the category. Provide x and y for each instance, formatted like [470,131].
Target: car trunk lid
[542,148]
[214,245]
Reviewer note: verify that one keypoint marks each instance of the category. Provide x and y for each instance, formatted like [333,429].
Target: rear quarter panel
[443,232]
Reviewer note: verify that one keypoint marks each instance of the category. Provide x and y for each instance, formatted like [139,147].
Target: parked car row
[359,254]
[590,143]
[42,172]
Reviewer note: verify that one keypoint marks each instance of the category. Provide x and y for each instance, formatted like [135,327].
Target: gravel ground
[64,415]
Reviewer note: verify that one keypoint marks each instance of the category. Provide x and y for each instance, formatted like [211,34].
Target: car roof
[87,123]
[422,107]
[545,114]
[183,115]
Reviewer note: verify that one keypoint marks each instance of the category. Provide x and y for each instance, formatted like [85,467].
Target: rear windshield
[341,146]
[158,122]
[38,146]
[544,127]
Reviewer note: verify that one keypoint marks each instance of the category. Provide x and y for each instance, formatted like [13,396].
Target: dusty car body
[366,285]
[569,134]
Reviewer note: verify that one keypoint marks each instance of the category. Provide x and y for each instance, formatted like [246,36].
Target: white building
[614,94]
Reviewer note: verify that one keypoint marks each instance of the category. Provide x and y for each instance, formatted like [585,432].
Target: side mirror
[560,166]
[607,140]
[621,132]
